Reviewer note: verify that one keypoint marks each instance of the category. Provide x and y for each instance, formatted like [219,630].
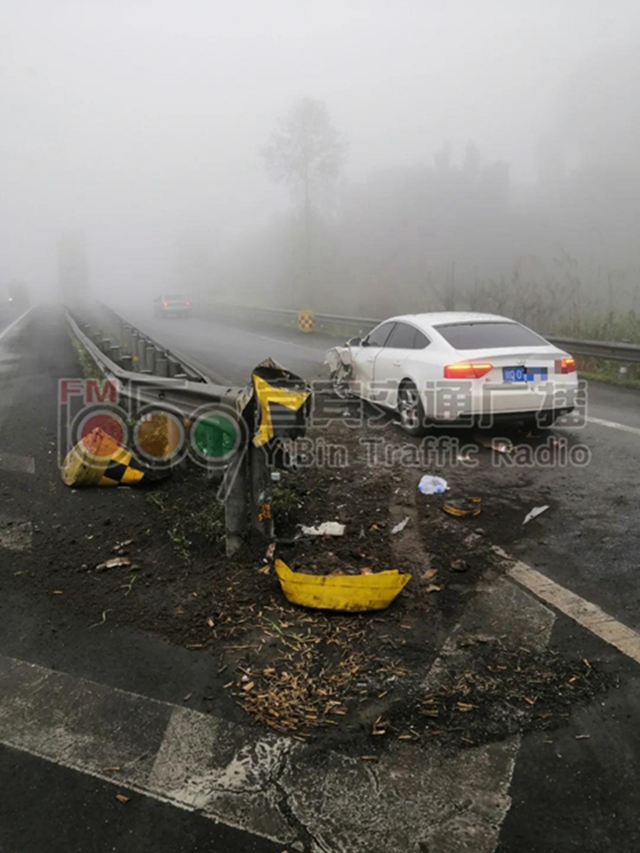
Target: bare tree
[307,154]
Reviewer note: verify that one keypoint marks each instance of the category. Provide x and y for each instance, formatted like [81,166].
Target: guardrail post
[150,358]
[140,351]
[261,491]
[127,362]
[162,365]
[126,336]
[236,505]
[174,366]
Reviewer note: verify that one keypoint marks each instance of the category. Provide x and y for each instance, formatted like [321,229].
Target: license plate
[523,374]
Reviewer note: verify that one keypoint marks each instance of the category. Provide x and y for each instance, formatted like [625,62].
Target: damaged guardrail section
[172,414]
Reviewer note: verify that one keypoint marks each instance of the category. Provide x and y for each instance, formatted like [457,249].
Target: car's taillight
[468,370]
[187,304]
[566,365]
[166,304]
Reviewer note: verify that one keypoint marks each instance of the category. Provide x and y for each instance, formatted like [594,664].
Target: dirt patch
[496,691]
[351,681]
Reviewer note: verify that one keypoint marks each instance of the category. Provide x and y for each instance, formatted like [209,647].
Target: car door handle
[370,358]
[397,363]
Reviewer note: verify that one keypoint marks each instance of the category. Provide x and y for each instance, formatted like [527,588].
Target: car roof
[440,318]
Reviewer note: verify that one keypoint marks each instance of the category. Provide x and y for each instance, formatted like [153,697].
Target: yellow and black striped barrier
[306,320]
[100,460]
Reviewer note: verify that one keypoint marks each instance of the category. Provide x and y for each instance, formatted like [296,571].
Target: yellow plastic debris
[99,460]
[373,591]
[270,397]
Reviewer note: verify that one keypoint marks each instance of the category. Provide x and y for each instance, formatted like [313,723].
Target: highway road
[578,790]
[592,538]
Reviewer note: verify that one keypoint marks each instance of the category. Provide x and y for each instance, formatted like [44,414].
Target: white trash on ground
[400,526]
[535,512]
[429,485]
[327,528]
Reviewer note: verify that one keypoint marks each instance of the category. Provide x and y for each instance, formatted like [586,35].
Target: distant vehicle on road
[464,367]
[172,305]
[14,300]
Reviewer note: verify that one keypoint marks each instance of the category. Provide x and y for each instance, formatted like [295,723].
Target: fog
[488,152]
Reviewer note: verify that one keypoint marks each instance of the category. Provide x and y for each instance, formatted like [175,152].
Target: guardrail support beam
[236,506]
[261,492]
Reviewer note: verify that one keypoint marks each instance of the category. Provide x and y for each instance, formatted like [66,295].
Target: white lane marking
[172,754]
[16,535]
[584,612]
[20,464]
[614,425]
[6,331]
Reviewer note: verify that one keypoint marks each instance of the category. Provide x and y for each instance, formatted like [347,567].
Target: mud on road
[348,681]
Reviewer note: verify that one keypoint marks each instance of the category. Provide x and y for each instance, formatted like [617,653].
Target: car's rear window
[176,297]
[486,334]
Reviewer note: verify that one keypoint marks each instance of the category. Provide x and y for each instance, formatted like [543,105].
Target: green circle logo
[215,436]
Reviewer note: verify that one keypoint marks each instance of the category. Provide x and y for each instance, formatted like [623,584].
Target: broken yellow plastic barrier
[465,507]
[269,396]
[373,591]
[99,460]
[86,463]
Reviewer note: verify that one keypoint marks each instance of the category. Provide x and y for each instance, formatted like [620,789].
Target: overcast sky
[141,121]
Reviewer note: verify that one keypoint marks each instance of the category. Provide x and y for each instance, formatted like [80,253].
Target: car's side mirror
[355,342]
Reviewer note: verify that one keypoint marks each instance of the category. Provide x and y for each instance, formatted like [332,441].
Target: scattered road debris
[458,565]
[500,445]
[100,460]
[327,528]
[366,591]
[400,526]
[114,563]
[430,485]
[103,620]
[501,690]
[122,799]
[535,512]
[463,507]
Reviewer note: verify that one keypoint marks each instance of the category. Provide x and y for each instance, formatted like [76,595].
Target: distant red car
[172,305]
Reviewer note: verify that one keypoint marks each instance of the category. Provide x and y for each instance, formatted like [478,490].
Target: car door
[365,358]
[390,367]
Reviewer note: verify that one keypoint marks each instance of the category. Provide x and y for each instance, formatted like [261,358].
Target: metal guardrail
[247,479]
[608,350]
[622,351]
[184,390]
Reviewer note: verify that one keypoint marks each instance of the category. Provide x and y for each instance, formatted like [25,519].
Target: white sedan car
[457,366]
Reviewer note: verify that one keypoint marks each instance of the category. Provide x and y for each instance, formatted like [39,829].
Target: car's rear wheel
[410,409]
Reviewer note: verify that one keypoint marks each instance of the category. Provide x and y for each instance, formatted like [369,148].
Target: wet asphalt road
[591,541]
[567,794]
[45,807]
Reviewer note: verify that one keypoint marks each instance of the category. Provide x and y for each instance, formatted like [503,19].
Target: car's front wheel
[410,409]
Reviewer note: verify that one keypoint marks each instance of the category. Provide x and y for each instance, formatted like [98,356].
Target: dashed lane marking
[18,464]
[584,612]
[614,425]
[169,753]
[6,331]
[272,785]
